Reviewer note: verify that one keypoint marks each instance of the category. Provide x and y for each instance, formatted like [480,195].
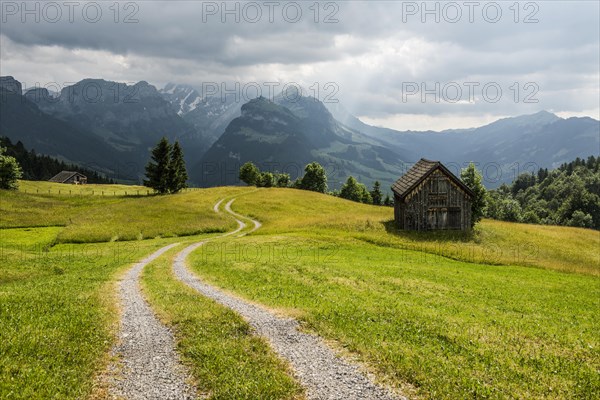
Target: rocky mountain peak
[11,84]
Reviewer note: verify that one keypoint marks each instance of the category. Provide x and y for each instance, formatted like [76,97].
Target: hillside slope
[436,315]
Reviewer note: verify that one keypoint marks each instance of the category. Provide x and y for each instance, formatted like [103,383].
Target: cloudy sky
[404,65]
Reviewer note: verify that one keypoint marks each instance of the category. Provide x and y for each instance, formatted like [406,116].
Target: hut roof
[64,176]
[419,172]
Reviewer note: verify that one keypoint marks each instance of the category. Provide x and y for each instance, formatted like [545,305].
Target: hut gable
[430,197]
[69,177]
[419,172]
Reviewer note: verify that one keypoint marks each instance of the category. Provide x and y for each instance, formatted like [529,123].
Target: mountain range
[284,136]
[502,149]
[110,127]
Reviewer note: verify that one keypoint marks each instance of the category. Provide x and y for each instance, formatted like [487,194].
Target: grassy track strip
[150,367]
[227,361]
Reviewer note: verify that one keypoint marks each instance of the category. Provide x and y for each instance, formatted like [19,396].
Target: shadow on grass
[431,236]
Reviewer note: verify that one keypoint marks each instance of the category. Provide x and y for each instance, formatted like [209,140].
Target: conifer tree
[376,194]
[177,172]
[157,170]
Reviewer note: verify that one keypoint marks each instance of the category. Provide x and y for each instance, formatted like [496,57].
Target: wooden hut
[430,197]
[69,177]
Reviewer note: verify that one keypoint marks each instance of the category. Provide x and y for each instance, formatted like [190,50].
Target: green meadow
[433,315]
[58,311]
[61,256]
[506,311]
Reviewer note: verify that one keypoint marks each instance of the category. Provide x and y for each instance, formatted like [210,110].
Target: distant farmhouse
[69,177]
[430,197]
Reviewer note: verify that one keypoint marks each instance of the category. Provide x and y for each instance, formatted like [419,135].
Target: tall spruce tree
[376,194]
[157,170]
[177,172]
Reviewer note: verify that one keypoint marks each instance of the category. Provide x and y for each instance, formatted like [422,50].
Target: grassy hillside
[481,323]
[492,242]
[96,217]
[58,304]
[507,311]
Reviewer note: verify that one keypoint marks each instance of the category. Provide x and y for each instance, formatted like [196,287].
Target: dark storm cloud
[370,49]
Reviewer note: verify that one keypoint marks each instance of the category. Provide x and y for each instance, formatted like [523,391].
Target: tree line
[165,172]
[568,195]
[36,167]
[314,179]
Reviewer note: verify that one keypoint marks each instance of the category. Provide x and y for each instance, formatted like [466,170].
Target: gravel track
[324,375]
[230,211]
[148,363]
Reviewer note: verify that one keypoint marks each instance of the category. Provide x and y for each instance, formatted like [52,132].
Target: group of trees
[251,175]
[356,191]
[166,172]
[568,195]
[38,167]
[314,178]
